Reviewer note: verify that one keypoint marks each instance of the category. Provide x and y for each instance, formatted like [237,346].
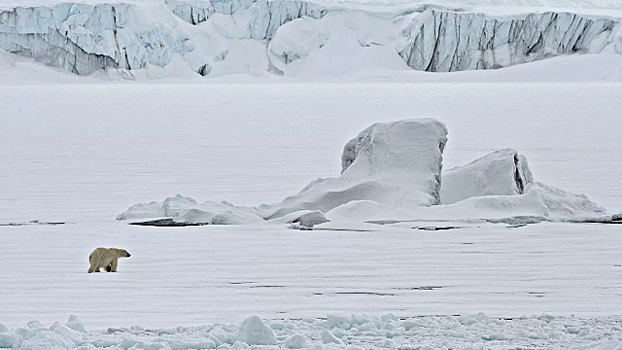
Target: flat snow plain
[83,153]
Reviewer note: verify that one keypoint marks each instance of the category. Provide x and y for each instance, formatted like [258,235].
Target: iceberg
[392,171]
[397,163]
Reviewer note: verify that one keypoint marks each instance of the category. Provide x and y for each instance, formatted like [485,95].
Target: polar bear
[107,258]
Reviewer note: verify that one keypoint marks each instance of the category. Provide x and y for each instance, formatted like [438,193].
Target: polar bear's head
[121,253]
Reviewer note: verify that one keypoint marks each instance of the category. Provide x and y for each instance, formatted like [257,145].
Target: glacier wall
[221,37]
[453,41]
[83,38]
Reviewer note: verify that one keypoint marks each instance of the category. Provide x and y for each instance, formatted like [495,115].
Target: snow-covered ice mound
[503,172]
[355,332]
[185,210]
[393,171]
[254,331]
[397,163]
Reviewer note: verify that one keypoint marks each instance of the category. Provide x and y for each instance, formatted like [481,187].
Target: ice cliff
[287,37]
[83,38]
[439,41]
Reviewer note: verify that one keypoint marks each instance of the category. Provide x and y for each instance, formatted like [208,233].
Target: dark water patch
[358,293]
[384,222]
[425,288]
[267,286]
[436,228]
[537,294]
[518,220]
[342,229]
[165,223]
[517,226]
[34,222]
[240,283]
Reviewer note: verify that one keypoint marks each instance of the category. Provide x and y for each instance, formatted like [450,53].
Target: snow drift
[286,37]
[539,203]
[393,171]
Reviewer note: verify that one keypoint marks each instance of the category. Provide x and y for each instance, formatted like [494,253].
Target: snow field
[196,276]
[103,147]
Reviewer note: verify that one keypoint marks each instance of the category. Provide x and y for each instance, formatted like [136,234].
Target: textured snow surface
[353,332]
[292,38]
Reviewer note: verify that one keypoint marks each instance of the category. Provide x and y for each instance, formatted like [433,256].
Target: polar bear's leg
[113,265]
[109,268]
[94,265]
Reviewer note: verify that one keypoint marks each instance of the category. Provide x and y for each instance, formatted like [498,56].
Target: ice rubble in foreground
[354,333]
[393,171]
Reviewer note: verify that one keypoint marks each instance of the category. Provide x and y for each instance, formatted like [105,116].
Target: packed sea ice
[355,332]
